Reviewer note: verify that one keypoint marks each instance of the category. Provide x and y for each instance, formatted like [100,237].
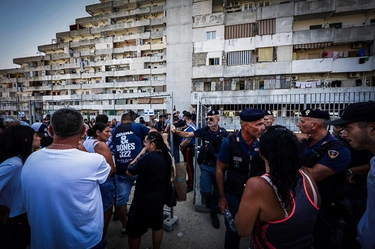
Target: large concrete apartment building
[167,55]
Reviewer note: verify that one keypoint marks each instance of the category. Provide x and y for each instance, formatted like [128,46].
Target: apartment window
[337,25]
[265,54]
[316,26]
[240,31]
[207,86]
[372,22]
[240,85]
[211,35]
[263,4]
[248,7]
[214,61]
[267,27]
[240,57]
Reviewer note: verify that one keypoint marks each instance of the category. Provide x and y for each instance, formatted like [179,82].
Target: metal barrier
[286,108]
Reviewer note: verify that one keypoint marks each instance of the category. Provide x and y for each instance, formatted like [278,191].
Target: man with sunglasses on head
[212,136]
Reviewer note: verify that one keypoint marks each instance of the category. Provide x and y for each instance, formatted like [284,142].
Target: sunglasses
[211,119]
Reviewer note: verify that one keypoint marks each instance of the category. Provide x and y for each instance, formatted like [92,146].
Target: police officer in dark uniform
[327,159]
[212,136]
[239,158]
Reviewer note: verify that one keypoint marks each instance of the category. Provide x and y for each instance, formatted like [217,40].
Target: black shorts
[138,223]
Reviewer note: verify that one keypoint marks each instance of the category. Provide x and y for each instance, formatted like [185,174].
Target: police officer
[269,118]
[239,158]
[327,159]
[212,136]
[187,147]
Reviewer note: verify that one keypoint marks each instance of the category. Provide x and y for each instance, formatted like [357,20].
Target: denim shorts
[124,186]
[107,190]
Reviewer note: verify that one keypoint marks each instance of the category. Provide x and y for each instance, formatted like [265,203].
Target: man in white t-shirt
[61,188]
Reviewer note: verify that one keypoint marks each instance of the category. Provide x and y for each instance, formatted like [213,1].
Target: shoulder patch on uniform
[333,154]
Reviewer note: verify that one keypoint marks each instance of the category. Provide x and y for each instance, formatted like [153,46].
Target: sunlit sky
[25,25]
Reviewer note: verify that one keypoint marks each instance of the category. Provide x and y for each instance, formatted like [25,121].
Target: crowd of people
[61,179]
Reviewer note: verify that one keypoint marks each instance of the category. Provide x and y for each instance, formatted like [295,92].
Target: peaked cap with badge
[315,113]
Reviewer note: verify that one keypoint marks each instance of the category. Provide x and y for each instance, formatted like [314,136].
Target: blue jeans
[107,190]
[232,239]
[124,186]
[209,187]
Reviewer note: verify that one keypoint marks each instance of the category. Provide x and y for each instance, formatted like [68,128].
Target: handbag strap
[173,168]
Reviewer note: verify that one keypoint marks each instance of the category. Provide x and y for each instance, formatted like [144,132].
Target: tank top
[295,230]
[90,145]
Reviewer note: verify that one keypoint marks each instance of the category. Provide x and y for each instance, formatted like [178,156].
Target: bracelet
[350,172]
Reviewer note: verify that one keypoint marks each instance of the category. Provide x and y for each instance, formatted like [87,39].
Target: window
[214,61]
[211,35]
[240,57]
[335,25]
[240,85]
[248,7]
[207,86]
[240,31]
[265,3]
[316,26]
[267,27]
[265,54]
[372,22]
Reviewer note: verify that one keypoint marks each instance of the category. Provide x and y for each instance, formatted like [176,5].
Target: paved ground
[194,231]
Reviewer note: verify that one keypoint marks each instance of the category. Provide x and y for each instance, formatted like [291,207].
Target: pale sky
[27,24]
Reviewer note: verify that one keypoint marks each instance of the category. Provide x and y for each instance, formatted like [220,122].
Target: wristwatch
[349,172]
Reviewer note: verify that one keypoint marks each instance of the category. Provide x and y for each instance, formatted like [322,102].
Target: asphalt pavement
[194,231]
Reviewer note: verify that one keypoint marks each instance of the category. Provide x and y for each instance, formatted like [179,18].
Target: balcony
[240,17]
[100,7]
[351,6]
[239,71]
[60,56]
[23,60]
[208,20]
[52,47]
[214,71]
[274,11]
[340,65]
[273,68]
[314,9]
[279,39]
[313,36]
[364,33]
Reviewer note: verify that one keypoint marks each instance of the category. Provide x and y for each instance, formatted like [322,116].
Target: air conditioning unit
[354,75]
[357,45]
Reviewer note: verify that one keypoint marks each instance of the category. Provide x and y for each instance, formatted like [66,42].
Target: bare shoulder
[257,185]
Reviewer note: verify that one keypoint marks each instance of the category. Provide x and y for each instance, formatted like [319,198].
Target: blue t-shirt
[337,158]
[127,144]
[224,154]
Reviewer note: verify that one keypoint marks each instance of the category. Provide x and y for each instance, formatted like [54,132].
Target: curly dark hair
[280,147]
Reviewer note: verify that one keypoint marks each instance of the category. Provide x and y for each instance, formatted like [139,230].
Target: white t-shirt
[60,189]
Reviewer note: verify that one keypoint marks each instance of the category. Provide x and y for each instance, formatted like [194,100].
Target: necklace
[66,145]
